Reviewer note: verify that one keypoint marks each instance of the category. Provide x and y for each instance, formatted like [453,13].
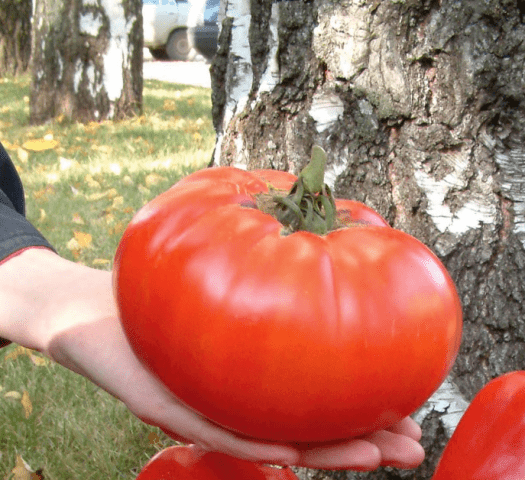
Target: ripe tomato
[489,441]
[190,463]
[297,338]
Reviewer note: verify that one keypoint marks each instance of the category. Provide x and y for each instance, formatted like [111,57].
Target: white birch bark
[421,108]
[87,59]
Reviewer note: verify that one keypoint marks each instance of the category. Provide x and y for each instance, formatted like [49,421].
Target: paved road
[188,73]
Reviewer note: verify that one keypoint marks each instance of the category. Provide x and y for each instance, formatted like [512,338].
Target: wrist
[4,341]
[43,294]
[22,296]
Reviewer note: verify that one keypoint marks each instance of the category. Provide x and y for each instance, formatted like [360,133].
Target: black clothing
[16,233]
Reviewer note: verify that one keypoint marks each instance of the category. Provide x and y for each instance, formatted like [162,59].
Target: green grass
[81,194]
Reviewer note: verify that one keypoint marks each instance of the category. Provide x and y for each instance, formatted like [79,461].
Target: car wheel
[158,53]
[179,47]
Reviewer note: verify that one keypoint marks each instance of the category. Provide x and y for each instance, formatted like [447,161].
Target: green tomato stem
[310,205]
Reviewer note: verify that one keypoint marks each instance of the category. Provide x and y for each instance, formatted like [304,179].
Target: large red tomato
[292,337]
[489,441]
[190,463]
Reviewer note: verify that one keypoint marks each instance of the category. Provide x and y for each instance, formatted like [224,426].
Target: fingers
[397,447]
[397,450]
[191,428]
[407,427]
[251,450]
[352,455]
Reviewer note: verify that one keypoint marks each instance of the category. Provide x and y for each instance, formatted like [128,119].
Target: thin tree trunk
[15,36]
[421,108]
[87,60]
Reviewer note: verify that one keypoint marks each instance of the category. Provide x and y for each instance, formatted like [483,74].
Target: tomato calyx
[310,205]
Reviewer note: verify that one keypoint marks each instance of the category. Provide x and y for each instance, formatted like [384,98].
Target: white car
[179,29]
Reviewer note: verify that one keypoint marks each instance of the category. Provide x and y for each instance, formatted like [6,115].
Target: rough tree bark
[15,36]
[87,60]
[420,106]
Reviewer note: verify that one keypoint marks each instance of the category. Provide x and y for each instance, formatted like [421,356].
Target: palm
[94,345]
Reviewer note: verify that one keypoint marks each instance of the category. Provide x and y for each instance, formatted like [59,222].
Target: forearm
[42,294]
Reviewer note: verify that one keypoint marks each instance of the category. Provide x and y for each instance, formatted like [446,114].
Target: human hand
[75,321]
[100,352]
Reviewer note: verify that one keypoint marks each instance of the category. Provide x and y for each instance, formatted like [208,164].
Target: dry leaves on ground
[22,471]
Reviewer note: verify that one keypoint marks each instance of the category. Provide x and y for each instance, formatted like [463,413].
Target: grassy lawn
[83,183]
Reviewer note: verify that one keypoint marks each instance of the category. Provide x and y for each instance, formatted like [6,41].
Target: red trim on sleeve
[18,252]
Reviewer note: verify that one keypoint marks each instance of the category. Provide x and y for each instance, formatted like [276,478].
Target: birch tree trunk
[420,106]
[15,36]
[87,60]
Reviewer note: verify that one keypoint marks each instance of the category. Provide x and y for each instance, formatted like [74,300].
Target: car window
[211,12]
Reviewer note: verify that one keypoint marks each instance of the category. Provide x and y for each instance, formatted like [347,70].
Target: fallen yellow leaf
[73,245]
[22,155]
[153,179]
[43,215]
[13,394]
[109,217]
[169,105]
[26,403]
[16,352]
[117,229]
[111,193]
[92,183]
[40,144]
[101,261]
[102,148]
[39,361]
[84,240]
[92,127]
[22,471]
[118,202]
[77,218]
[10,146]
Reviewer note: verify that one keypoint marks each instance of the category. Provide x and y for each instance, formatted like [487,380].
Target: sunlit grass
[96,176]
[90,183]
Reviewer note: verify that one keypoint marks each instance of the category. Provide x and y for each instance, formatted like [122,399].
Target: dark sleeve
[16,233]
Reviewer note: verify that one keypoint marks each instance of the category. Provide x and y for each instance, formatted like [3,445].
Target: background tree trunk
[420,106]
[15,36]
[87,59]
